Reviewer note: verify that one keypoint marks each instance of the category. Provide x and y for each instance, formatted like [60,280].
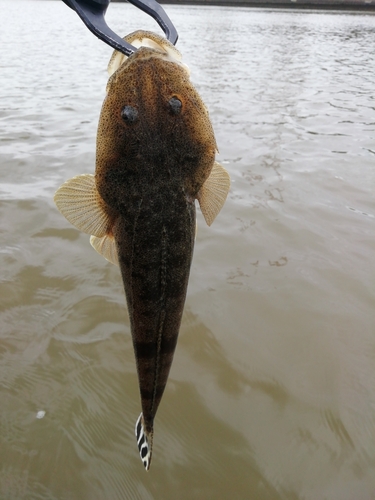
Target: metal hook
[92,13]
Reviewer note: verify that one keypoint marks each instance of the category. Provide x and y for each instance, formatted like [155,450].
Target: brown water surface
[272,393]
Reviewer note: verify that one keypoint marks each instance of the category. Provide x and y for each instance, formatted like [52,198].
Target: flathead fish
[155,156]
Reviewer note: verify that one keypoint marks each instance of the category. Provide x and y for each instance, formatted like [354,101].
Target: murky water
[272,393]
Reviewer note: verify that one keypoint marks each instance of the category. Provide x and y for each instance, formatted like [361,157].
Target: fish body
[155,155]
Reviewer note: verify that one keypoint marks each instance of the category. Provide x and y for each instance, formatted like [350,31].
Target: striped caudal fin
[144,441]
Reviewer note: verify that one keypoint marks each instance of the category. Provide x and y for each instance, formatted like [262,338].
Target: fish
[155,155]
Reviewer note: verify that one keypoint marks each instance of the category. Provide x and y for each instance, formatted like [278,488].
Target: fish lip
[148,52]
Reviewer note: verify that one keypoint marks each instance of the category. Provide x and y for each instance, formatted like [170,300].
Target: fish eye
[129,114]
[175,105]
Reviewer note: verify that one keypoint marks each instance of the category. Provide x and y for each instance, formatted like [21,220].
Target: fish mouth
[157,43]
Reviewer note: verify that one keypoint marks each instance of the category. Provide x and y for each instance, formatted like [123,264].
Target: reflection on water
[271,393]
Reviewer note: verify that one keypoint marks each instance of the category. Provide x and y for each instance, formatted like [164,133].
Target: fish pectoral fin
[106,246]
[79,202]
[144,442]
[213,193]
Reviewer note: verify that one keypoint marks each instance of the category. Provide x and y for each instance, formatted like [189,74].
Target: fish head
[153,123]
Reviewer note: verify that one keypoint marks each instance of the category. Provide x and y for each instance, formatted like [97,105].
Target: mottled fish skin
[149,171]
[155,156]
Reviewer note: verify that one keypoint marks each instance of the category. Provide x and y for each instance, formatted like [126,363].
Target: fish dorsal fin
[213,193]
[106,246]
[79,202]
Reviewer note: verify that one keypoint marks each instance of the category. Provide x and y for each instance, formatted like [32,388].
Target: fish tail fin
[144,441]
